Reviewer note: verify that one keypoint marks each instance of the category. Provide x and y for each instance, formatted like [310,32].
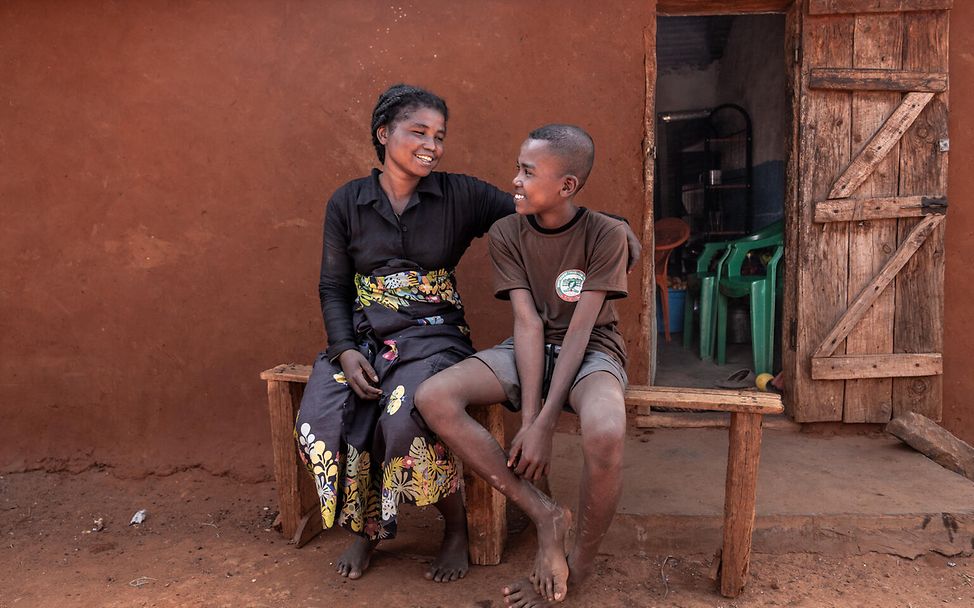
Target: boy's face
[539,185]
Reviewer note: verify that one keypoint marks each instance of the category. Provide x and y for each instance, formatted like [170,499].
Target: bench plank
[704,399]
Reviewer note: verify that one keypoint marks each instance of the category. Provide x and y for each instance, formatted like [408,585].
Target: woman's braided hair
[395,103]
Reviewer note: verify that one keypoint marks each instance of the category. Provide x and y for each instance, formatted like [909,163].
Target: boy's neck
[558,217]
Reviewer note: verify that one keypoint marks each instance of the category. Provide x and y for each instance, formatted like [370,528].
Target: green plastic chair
[762,290]
[702,288]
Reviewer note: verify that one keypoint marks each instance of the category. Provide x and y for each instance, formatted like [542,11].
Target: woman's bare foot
[550,576]
[452,563]
[355,560]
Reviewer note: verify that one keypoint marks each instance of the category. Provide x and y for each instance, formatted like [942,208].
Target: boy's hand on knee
[359,374]
[531,452]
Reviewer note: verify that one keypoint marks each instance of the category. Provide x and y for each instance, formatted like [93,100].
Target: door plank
[918,325]
[879,146]
[877,366]
[858,79]
[831,7]
[793,217]
[878,43]
[822,259]
[720,7]
[871,292]
[877,208]
[646,342]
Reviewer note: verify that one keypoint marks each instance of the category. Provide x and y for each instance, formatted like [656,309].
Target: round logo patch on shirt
[568,285]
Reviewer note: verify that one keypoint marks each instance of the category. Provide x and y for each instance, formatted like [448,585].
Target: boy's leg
[599,400]
[443,400]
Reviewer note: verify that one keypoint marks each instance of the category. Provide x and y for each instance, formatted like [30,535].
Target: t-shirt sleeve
[607,265]
[507,262]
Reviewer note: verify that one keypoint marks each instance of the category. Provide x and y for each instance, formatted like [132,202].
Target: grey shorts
[500,360]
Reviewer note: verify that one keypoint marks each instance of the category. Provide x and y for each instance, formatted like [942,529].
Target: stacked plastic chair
[702,288]
[762,291]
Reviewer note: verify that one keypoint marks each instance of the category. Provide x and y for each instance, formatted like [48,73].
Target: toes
[430,575]
[354,574]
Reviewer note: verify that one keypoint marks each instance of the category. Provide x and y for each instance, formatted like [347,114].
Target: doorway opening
[722,126]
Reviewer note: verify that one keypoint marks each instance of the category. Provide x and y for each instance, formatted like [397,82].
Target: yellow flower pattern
[397,290]
[395,399]
[323,465]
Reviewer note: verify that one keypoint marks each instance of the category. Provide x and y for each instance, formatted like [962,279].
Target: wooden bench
[486,519]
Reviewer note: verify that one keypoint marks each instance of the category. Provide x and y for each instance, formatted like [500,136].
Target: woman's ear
[382,134]
[569,185]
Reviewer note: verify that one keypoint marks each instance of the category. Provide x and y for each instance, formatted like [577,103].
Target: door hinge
[933,205]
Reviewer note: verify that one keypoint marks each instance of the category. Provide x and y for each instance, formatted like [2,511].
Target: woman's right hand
[359,374]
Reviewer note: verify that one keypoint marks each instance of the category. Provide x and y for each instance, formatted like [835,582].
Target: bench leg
[740,492]
[486,507]
[296,496]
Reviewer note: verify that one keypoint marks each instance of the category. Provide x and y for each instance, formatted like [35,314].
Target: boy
[559,265]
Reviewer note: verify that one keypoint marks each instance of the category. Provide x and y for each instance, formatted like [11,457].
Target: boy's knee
[433,396]
[604,438]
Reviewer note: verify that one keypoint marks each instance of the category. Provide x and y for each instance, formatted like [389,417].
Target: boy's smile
[541,187]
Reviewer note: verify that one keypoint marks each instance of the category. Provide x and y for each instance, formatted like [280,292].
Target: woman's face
[414,145]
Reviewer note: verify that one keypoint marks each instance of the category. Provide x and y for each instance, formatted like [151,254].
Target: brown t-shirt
[587,254]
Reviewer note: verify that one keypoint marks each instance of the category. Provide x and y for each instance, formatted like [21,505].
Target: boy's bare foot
[550,576]
[452,563]
[355,560]
[522,594]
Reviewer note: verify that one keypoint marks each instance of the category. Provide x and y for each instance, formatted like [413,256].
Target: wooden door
[864,327]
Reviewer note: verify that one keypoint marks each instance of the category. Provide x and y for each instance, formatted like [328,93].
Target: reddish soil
[207,541]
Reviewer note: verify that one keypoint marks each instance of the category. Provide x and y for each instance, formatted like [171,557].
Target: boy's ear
[569,185]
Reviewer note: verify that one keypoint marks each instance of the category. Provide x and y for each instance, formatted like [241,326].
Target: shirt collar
[373,191]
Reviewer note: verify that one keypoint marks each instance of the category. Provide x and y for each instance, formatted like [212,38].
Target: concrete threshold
[819,494]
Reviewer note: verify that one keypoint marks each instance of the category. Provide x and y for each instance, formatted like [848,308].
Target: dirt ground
[207,541]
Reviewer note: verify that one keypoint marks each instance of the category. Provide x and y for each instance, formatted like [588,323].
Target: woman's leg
[328,422]
[418,466]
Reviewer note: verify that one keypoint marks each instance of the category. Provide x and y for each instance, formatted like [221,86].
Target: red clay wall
[959,270]
[163,173]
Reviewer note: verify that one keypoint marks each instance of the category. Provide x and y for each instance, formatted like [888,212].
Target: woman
[394,318]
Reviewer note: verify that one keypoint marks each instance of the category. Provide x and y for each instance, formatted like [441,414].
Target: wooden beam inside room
[721,7]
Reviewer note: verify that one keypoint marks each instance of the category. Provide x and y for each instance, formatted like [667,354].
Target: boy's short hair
[572,144]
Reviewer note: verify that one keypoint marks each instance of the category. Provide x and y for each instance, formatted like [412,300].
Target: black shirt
[362,233]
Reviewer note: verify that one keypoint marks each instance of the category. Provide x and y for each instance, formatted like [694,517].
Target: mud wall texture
[163,173]
[958,413]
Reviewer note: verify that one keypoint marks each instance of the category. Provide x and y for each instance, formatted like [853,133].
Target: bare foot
[355,560]
[550,576]
[522,594]
[451,564]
